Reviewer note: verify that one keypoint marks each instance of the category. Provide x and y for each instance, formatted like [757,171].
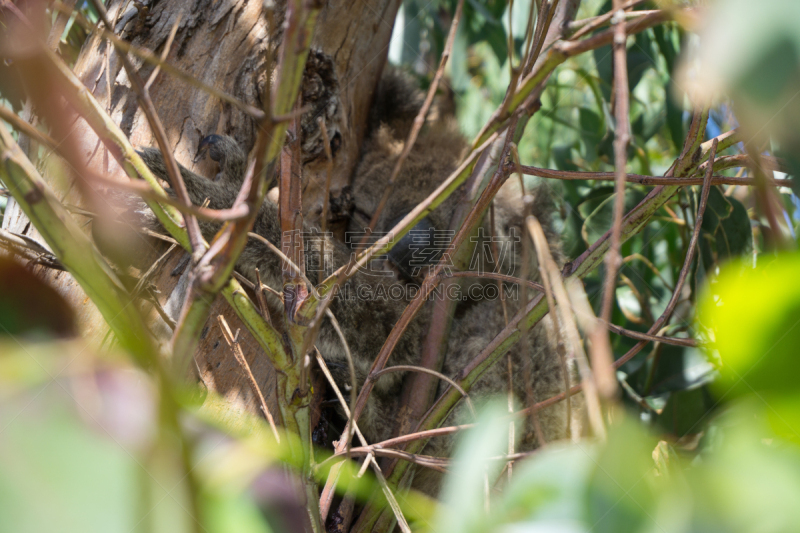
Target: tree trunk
[226,45]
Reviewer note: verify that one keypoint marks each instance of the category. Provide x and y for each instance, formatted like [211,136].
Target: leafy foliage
[702,439]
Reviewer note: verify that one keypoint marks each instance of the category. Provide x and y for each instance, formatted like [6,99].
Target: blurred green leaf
[57,473]
[30,307]
[686,412]
[620,494]
[640,58]
[750,483]
[753,315]
[592,127]
[548,490]
[463,496]
[669,51]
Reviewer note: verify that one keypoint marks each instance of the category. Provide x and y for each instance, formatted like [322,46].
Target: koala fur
[366,322]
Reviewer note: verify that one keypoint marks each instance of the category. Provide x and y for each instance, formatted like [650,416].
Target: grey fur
[368,322]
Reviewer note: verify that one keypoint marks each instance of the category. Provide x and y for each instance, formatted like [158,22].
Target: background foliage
[704,439]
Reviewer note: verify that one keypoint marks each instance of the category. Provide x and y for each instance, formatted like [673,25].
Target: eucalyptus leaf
[754,314]
[463,496]
[620,495]
[602,218]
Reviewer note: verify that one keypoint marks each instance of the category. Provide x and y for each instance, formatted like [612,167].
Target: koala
[364,316]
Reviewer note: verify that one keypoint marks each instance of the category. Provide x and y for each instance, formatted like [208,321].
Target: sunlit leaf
[754,318]
[463,495]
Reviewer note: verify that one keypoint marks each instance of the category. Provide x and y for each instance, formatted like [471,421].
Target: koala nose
[336,143]
[208,144]
[416,249]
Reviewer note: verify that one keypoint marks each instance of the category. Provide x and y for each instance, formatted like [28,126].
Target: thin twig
[567,319]
[648,263]
[638,335]
[646,180]
[351,366]
[387,491]
[613,258]
[24,127]
[767,200]
[418,435]
[233,342]
[291,264]
[428,461]
[676,293]
[259,289]
[419,120]
[600,352]
[551,304]
[589,25]
[29,249]
[412,368]
[192,226]
[152,270]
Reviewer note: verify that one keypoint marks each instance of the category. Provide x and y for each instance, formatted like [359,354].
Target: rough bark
[225,44]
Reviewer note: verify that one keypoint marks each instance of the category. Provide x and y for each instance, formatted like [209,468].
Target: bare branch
[678,286]
[157,128]
[653,180]
[586,26]
[236,348]
[412,368]
[622,138]
[419,120]
[567,319]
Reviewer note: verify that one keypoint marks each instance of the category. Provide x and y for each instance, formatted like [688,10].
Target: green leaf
[603,60]
[727,225]
[56,474]
[562,156]
[753,315]
[639,59]
[718,209]
[734,236]
[458,66]
[673,94]
[686,412]
[592,125]
[750,483]
[548,488]
[594,199]
[602,218]
[463,493]
[620,494]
